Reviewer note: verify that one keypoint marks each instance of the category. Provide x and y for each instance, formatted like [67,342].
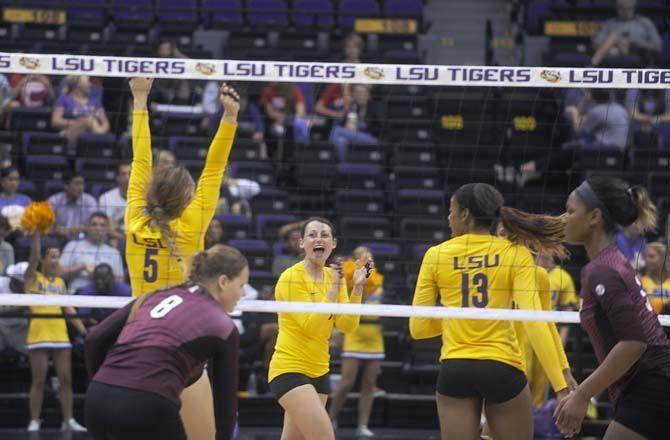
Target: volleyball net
[383,172]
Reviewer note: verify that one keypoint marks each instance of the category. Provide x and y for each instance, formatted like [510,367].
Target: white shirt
[114,205]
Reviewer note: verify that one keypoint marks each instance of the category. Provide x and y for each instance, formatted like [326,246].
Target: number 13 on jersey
[480,293]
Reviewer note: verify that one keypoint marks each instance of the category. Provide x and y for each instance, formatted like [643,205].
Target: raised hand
[230,100]
[364,266]
[140,88]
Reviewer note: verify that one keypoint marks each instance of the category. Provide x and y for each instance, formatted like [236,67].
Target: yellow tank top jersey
[150,265]
[302,343]
[47,332]
[658,294]
[367,341]
[563,294]
[482,271]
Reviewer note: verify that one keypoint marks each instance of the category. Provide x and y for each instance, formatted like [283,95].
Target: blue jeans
[341,137]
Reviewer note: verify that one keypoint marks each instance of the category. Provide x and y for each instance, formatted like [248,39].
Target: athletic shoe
[363,431]
[34,426]
[72,426]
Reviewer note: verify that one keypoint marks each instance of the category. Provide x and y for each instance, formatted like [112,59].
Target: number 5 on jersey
[150,265]
[480,298]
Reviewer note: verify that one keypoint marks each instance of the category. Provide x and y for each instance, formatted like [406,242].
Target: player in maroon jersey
[631,347]
[141,358]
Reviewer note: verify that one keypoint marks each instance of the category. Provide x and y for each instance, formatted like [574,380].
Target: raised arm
[30,275]
[140,172]
[364,267]
[201,210]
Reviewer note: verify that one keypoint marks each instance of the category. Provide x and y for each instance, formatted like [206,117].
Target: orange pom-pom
[38,216]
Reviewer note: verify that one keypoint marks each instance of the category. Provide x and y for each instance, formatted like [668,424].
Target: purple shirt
[615,308]
[73,109]
[17,199]
[165,348]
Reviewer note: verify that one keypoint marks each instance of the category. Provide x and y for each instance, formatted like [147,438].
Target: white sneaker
[34,426]
[72,426]
[363,431]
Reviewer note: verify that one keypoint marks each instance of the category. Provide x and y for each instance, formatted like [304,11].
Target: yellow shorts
[366,342]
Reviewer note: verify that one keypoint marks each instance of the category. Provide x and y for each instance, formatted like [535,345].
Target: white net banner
[398,74]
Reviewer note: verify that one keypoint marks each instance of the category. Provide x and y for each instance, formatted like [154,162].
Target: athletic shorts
[494,381]
[284,383]
[644,406]
[117,413]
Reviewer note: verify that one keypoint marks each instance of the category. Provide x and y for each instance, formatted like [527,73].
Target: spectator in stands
[235,196]
[80,257]
[103,284]
[656,279]
[5,95]
[627,34]
[292,253]
[12,202]
[49,337]
[75,112]
[170,91]
[648,108]
[6,249]
[632,242]
[73,207]
[214,234]
[13,330]
[113,202]
[360,123]
[284,105]
[250,122]
[33,91]
[602,127]
[165,158]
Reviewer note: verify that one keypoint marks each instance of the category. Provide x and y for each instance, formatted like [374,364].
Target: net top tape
[113,302]
[391,74]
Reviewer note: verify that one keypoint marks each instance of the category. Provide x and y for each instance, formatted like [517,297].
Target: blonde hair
[662,250]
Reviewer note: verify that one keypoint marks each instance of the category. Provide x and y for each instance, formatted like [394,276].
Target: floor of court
[246,434]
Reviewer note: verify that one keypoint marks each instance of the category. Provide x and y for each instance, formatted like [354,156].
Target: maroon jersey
[165,348]
[615,308]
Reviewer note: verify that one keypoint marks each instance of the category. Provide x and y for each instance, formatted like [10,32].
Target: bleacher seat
[313,14]
[360,176]
[45,167]
[98,145]
[189,147]
[181,13]
[236,227]
[355,230]
[267,225]
[651,159]
[419,154]
[352,202]
[416,178]
[222,13]
[53,186]
[96,189]
[96,170]
[403,9]
[85,21]
[261,280]
[37,143]
[314,152]
[349,10]
[387,257]
[424,230]
[420,202]
[261,172]
[267,13]
[366,153]
[659,184]
[597,160]
[257,253]
[33,119]
[131,12]
[28,188]
[311,176]
[270,201]
[244,149]
[177,124]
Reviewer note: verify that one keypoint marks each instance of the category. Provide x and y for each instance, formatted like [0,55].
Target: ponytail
[647,218]
[543,234]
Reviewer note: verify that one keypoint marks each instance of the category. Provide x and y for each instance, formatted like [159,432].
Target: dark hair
[601,96]
[69,176]
[541,233]
[102,268]
[625,204]
[4,224]
[205,265]
[316,219]
[5,172]
[98,214]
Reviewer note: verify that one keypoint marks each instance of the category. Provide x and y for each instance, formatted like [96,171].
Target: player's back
[165,344]
[478,271]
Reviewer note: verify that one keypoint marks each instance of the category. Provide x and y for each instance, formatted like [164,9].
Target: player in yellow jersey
[166,220]
[656,278]
[48,336]
[299,367]
[563,293]
[362,348]
[482,363]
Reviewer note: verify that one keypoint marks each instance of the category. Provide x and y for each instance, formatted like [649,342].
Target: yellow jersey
[563,293]
[47,332]
[150,265]
[302,343]
[483,271]
[658,294]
